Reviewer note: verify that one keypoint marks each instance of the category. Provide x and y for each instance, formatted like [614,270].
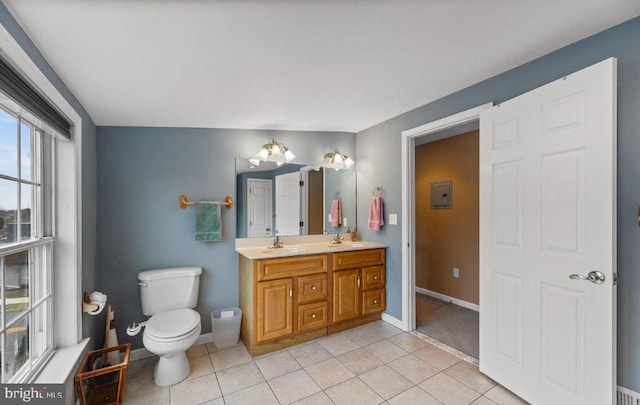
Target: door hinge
[301,183]
[301,224]
[615,278]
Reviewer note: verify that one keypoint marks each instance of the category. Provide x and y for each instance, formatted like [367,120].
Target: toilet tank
[167,289]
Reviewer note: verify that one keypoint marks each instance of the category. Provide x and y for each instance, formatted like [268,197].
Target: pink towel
[336,213]
[376,213]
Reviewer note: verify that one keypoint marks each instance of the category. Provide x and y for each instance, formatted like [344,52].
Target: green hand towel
[208,223]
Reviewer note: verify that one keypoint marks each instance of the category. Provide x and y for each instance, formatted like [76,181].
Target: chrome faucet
[277,243]
[337,239]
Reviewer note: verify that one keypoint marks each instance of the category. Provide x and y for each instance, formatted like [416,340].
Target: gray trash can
[226,329]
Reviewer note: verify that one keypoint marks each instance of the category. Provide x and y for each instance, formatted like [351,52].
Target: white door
[259,208]
[547,211]
[288,204]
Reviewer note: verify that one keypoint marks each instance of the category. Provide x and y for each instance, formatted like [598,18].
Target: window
[26,245]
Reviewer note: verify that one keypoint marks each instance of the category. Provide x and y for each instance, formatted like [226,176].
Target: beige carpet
[451,324]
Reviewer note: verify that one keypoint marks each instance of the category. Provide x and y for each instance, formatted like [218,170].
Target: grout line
[445,347]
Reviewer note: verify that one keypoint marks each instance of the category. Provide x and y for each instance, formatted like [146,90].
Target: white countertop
[299,249]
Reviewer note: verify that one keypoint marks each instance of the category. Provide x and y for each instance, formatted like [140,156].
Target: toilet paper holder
[94,303]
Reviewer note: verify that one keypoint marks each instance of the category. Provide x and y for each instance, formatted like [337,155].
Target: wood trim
[246,296]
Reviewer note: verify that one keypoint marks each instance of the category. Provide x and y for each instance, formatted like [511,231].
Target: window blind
[22,93]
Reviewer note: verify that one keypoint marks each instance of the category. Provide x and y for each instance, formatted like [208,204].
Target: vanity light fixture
[337,160]
[275,152]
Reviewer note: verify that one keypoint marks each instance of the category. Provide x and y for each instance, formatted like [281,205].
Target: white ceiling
[332,65]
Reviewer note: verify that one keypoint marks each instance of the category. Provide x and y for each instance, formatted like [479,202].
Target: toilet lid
[173,323]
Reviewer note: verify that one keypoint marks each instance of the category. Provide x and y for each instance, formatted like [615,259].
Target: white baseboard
[142,353]
[393,321]
[625,396]
[459,302]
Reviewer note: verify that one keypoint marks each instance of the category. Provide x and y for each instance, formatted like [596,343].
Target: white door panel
[547,209]
[288,204]
[259,208]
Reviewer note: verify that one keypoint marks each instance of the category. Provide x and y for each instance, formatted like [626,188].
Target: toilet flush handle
[143,284]
[135,328]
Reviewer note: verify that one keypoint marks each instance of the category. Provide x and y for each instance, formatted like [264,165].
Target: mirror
[292,199]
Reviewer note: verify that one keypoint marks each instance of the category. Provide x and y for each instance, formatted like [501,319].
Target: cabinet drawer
[271,269]
[312,288]
[312,316]
[373,301]
[373,278]
[357,258]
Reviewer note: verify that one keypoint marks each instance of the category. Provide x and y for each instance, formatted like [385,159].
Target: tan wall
[448,238]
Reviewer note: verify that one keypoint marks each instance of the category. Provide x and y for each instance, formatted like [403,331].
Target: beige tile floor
[373,364]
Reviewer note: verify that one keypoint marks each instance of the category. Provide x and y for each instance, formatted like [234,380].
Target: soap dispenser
[354,234]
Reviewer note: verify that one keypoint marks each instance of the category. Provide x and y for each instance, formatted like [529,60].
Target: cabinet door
[346,295]
[274,309]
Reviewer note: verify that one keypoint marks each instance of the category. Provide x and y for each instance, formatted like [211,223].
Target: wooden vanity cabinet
[289,300]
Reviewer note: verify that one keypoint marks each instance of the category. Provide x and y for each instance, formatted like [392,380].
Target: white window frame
[39,247]
[67,207]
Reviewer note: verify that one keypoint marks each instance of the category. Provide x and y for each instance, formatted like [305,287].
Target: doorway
[447,224]
[432,131]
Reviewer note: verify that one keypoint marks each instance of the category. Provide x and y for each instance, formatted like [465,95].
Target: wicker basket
[103,385]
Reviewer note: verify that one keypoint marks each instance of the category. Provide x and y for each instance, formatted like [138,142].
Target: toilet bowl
[169,334]
[168,297]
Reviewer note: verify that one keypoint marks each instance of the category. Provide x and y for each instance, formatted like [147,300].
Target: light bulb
[263,154]
[289,156]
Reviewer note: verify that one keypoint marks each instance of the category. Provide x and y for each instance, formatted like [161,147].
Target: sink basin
[283,250]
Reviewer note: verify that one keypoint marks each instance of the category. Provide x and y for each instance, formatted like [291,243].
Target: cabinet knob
[375,301]
[313,316]
[313,288]
[375,277]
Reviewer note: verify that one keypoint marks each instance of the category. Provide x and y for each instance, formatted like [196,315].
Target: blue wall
[91,326]
[141,173]
[623,42]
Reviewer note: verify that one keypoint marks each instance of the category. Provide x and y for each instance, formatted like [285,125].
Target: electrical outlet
[393,219]
[344,221]
[456,272]
[329,217]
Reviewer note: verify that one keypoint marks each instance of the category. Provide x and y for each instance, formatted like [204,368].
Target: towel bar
[228,202]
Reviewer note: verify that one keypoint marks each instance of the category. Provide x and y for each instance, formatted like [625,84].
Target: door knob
[593,276]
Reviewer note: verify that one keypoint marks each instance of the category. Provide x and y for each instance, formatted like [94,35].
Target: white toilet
[168,296]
